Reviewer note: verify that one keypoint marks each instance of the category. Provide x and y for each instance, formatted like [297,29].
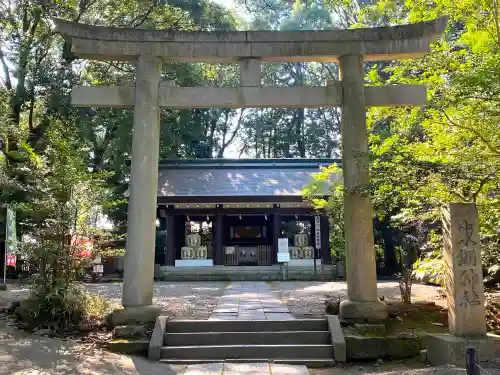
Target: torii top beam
[124,44]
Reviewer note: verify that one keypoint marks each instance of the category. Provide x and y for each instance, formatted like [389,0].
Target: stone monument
[464,290]
[349,48]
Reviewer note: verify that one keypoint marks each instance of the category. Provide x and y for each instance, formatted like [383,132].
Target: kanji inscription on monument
[463,270]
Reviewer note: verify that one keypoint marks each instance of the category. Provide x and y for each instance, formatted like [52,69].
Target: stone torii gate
[349,48]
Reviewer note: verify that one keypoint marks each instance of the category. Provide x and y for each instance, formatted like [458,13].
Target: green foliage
[448,151]
[113,252]
[328,179]
[61,167]
[430,269]
[59,211]
[64,308]
[291,132]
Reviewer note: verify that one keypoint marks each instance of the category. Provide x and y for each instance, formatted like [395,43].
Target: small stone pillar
[362,303]
[464,291]
[463,270]
[139,255]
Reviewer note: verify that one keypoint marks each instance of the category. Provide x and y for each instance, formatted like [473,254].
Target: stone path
[245,369]
[250,301]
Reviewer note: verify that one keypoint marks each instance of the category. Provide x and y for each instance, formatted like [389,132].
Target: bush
[62,308]
[492,312]
[430,269]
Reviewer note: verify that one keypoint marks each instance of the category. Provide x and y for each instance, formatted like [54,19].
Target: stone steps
[305,342]
[241,273]
[247,338]
[197,326]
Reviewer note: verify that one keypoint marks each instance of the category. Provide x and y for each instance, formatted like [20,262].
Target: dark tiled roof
[241,177]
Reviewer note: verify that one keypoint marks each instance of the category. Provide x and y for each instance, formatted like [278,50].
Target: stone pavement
[250,301]
[245,369]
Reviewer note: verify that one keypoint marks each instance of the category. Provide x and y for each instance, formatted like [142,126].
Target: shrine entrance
[349,48]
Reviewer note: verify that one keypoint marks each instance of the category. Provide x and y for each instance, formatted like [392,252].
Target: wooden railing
[264,255]
[231,259]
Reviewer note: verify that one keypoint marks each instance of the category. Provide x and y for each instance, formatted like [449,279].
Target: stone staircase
[305,342]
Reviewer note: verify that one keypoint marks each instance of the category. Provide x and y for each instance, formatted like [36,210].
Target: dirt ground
[27,354]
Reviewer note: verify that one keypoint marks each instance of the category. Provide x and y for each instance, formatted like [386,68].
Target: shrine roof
[256,178]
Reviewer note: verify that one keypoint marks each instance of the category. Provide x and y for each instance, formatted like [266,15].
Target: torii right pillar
[362,303]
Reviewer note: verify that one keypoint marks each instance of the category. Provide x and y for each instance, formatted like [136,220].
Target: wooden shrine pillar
[218,250]
[275,234]
[171,243]
[162,258]
[326,255]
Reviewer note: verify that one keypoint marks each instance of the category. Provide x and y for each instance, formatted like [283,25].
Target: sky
[233,149]
[231,4]
[226,3]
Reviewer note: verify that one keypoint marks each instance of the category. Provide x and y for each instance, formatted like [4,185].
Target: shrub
[62,308]
[492,312]
[429,269]
[55,220]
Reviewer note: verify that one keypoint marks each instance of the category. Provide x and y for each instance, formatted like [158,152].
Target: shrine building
[225,216]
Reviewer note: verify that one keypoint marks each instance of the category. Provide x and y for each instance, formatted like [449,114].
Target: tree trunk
[299,134]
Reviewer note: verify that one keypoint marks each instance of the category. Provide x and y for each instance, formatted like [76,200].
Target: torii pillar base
[363,311]
[135,315]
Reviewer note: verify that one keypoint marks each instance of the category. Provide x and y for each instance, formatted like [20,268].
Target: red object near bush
[11,260]
[84,245]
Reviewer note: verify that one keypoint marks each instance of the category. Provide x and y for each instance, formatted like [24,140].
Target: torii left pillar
[138,279]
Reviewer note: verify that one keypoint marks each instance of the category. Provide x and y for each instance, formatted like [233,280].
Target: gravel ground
[305,299]
[22,353]
[180,300]
[197,300]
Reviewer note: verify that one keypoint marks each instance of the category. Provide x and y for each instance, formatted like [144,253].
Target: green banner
[11,232]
